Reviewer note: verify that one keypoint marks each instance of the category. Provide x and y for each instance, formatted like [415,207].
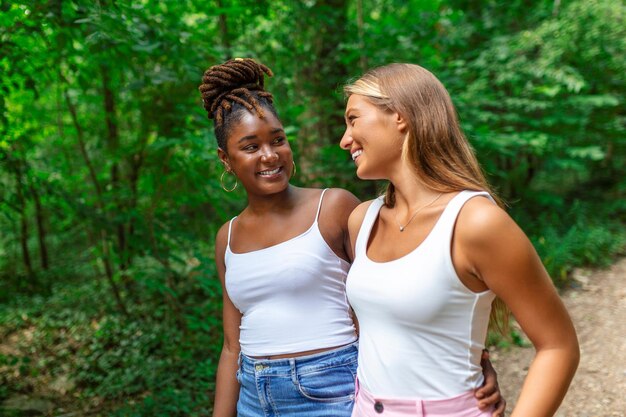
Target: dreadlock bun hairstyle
[231,89]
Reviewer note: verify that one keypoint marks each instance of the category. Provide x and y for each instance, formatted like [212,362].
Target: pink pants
[464,405]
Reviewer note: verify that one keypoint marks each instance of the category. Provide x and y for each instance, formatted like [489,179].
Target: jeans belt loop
[294,370]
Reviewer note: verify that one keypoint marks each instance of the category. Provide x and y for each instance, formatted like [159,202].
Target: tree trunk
[26,259]
[113,145]
[361,30]
[170,296]
[106,260]
[135,163]
[41,230]
[223,25]
[555,8]
[319,78]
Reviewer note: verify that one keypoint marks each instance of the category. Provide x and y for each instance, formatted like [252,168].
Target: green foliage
[581,234]
[514,338]
[540,112]
[145,363]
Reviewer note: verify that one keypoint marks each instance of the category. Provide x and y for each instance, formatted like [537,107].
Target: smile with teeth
[356,154]
[270,171]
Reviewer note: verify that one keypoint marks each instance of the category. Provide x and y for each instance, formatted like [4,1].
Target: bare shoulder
[354,224]
[481,217]
[358,214]
[221,237]
[221,241]
[336,208]
[482,224]
[340,198]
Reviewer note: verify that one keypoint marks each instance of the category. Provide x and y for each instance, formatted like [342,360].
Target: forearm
[547,381]
[226,387]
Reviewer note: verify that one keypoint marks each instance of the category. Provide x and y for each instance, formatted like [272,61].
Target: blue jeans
[319,385]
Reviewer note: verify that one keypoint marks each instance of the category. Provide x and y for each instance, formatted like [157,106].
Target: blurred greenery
[109,190]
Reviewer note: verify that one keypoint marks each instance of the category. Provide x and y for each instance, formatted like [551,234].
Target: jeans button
[258,367]
[378,406]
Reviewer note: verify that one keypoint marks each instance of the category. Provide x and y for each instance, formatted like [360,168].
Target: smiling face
[257,152]
[373,137]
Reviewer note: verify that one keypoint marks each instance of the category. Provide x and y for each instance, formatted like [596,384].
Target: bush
[587,234]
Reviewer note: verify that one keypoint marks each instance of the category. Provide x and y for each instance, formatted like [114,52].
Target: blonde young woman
[290,344]
[432,254]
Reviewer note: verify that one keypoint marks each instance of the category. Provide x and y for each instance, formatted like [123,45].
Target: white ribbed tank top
[422,330]
[292,295]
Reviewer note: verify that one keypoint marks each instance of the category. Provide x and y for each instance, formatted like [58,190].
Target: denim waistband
[307,363]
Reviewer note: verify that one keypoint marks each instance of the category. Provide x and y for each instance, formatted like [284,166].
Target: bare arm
[354,224]
[351,231]
[493,249]
[336,208]
[226,385]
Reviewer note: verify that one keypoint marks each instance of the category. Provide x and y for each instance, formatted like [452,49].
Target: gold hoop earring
[228,190]
[293,172]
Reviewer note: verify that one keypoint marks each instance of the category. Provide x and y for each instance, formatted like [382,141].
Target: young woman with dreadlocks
[290,344]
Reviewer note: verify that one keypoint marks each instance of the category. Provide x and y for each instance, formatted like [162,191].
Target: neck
[410,192]
[262,204]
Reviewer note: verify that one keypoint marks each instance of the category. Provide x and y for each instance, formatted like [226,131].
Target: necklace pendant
[415,213]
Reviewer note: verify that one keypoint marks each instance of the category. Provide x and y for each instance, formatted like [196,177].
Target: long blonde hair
[435,148]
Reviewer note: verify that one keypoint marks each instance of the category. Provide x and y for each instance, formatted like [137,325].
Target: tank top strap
[452,210]
[319,205]
[230,227]
[463,197]
[366,226]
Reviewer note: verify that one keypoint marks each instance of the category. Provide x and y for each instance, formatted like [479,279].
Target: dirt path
[598,309]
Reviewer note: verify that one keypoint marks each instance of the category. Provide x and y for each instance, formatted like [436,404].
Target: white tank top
[422,330]
[292,295]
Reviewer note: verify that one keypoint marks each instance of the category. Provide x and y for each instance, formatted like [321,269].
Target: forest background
[109,176]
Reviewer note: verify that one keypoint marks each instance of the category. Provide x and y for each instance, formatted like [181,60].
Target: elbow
[570,351]
[565,351]
[574,349]
[230,347]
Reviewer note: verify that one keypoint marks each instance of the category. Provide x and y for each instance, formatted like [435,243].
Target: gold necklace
[414,214]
